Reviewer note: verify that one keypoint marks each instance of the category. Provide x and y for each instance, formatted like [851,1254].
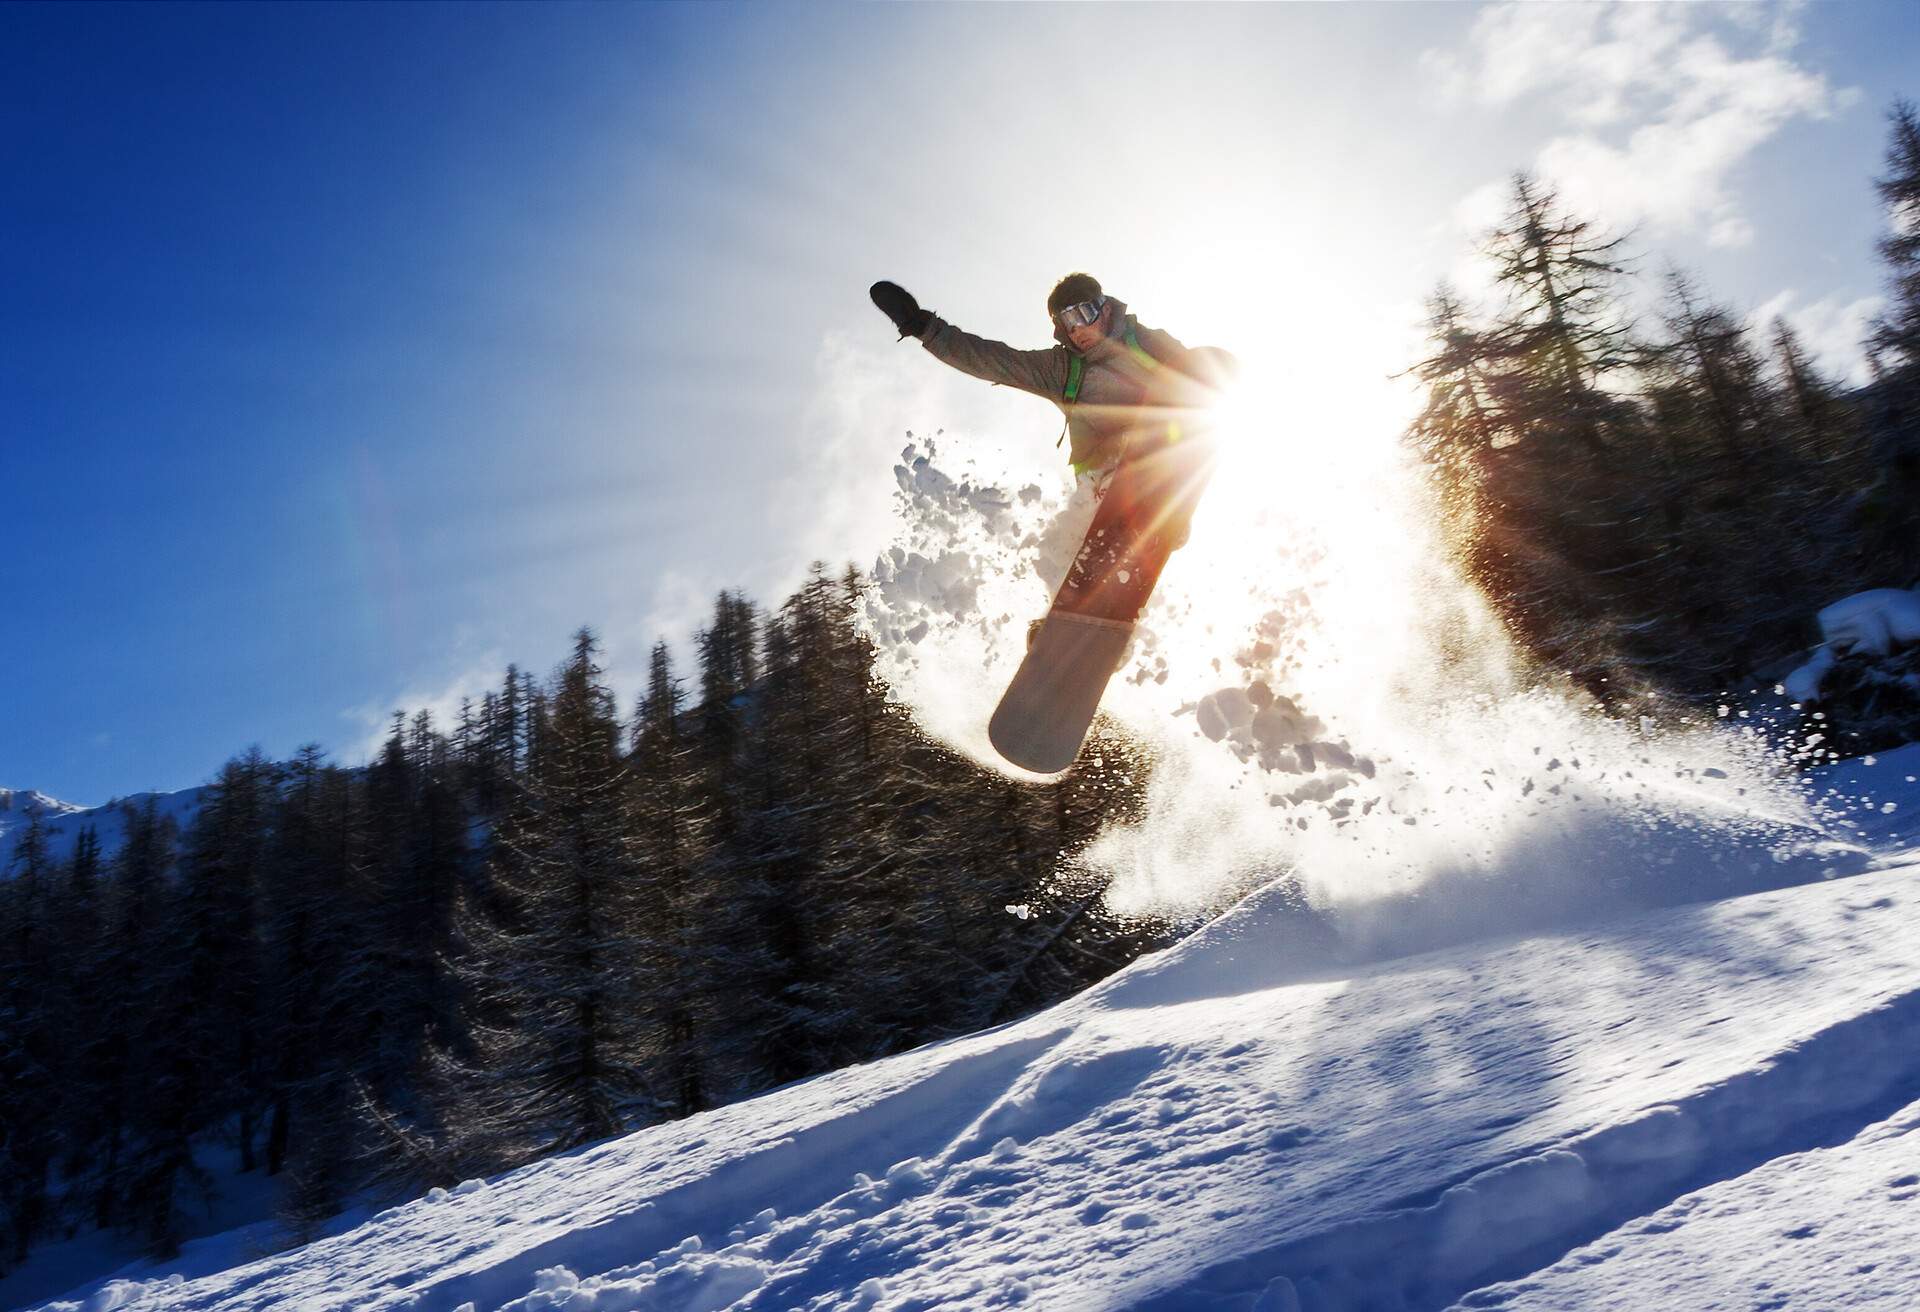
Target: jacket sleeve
[1042,372]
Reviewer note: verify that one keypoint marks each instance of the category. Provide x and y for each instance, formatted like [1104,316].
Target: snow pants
[1142,518]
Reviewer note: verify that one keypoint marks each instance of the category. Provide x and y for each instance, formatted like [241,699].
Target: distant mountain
[66,820]
[22,801]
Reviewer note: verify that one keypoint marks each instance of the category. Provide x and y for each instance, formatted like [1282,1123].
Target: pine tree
[669,836]
[1699,501]
[29,1077]
[1890,511]
[78,1002]
[787,893]
[559,1060]
[130,1034]
[418,862]
[1821,422]
[1529,436]
[510,736]
[1563,332]
[1896,334]
[744,960]
[205,1049]
[1820,427]
[319,920]
[1718,399]
[902,895]
[1464,437]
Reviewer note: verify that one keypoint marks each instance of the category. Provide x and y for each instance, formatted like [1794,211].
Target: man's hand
[897,303]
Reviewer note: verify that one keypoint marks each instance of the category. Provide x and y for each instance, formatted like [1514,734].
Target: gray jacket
[1126,405]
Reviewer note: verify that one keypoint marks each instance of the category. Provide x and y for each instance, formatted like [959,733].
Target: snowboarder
[1135,400]
[1136,404]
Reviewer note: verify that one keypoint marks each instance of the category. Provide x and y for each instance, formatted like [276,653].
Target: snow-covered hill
[1707,1105]
[65,820]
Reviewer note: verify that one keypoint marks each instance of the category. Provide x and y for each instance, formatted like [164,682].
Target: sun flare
[1307,493]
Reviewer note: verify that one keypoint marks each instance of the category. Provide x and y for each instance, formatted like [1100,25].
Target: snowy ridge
[25,801]
[1256,1119]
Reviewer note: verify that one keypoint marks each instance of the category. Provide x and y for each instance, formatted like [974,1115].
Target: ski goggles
[1079,316]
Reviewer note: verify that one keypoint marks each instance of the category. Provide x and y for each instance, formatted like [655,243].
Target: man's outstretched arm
[1042,372]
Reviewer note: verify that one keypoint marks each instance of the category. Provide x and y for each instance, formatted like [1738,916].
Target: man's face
[1086,336]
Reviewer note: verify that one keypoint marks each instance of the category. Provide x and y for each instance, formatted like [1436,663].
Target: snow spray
[1326,700]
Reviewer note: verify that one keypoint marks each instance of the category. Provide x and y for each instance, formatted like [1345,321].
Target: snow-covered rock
[1873,623]
[1803,684]
[1877,622]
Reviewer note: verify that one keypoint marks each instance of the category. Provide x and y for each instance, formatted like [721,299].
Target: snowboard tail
[1044,716]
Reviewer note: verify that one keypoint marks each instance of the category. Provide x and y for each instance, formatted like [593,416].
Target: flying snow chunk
[1220,713]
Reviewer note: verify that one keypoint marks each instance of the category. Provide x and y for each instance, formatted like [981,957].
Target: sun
[1308,493]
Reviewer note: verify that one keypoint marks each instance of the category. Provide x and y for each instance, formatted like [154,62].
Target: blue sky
[354,351]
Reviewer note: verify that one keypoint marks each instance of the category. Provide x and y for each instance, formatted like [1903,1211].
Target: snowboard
[1141,519]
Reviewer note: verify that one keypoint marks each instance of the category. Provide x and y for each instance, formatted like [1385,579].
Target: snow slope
[1708,1105]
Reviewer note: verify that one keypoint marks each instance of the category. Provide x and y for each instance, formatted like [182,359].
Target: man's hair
[1071,290]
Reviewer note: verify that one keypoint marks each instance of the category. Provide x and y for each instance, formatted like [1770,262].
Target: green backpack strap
[1077,364]
[1077,370]
[1138,351]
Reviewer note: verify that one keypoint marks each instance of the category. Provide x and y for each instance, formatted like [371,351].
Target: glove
[897,303]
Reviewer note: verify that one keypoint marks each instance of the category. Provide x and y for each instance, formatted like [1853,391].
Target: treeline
[1657,508]
[542,925]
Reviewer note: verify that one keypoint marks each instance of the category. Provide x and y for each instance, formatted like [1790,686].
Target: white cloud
[678,604]
[1831,329]
[1482,207]
[1730,231]
[1651,108]
[375,718]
